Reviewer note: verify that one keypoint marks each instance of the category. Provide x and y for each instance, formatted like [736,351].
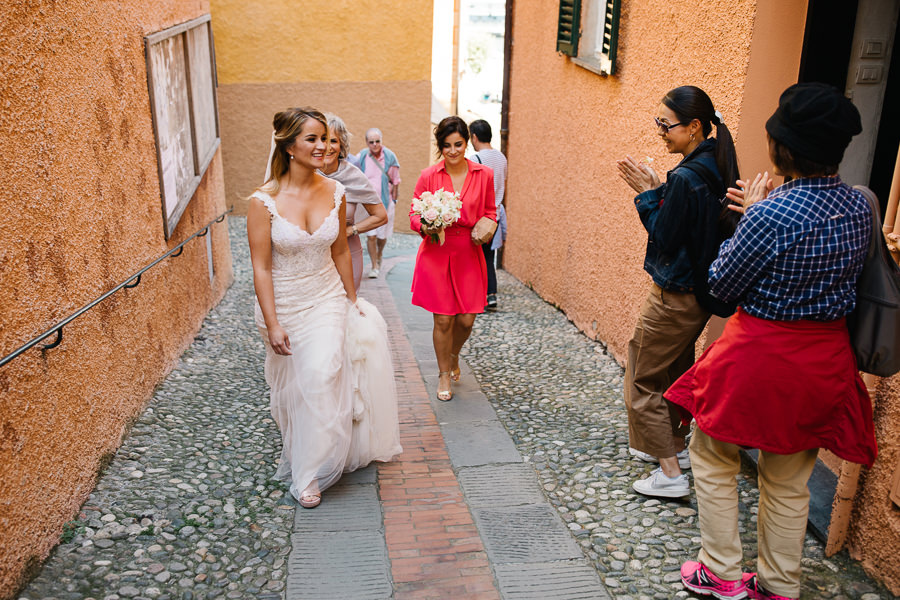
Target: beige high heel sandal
[444,395]
[455,373]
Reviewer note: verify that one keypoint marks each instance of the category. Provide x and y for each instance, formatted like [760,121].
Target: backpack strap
[727,223]
[872,199]
[728,219]
[709,178]
[378,164]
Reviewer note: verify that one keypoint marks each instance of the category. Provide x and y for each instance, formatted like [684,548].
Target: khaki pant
[660,351]
[781,522]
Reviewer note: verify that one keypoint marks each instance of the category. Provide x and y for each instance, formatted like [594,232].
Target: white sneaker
[373,274]
[684,457]
[657,484]
[643,456]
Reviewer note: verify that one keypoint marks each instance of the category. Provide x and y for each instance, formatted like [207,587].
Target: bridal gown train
[334,397]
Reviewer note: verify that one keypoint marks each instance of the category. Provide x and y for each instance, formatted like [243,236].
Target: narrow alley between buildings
[518,488]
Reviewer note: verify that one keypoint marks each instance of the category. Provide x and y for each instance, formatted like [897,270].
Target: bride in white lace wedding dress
[327,359]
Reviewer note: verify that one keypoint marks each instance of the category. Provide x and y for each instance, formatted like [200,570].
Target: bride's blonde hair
[287,125]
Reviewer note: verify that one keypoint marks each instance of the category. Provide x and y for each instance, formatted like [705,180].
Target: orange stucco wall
[81,212]
[875,527]
[365,61]
[573,232]
[404,120]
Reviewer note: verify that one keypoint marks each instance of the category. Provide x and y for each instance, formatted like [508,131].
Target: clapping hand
[749,192]
[639,177]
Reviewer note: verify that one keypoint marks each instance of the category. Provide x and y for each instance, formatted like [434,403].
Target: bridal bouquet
[437,210]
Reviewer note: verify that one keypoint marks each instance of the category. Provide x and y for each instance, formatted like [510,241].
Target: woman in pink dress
[450,280]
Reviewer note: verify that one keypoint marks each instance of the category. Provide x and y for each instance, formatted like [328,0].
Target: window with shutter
[593,28]
[568,28]
[610,36]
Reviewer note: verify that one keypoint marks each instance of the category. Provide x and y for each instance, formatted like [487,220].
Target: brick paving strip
[461,516]
[460,500]
[432,541]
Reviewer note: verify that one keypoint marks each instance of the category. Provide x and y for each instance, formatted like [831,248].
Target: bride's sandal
[444,395]
[309,499]
[455,372]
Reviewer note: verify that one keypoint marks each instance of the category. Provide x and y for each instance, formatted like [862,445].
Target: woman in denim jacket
[685,222]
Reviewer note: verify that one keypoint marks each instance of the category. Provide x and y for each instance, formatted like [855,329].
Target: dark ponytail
[689,102]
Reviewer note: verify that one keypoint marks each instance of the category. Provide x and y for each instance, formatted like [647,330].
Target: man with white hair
[381,167]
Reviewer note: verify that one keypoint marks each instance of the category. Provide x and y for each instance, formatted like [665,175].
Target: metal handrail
[133,280]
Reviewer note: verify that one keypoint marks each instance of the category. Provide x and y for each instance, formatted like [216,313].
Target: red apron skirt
[782,387]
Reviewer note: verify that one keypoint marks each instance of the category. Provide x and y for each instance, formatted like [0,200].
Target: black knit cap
[815,121]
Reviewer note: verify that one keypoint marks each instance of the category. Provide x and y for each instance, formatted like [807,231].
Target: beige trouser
[781,522]
[660,351]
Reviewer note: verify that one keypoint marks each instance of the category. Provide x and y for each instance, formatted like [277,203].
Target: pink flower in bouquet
[430,215]
[437,210]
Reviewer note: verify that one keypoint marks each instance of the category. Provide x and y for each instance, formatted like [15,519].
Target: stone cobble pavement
[187,509]
[560,396]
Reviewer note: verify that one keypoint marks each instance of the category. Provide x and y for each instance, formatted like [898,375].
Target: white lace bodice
[303,272]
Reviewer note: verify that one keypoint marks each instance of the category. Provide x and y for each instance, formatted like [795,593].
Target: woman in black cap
[782,377]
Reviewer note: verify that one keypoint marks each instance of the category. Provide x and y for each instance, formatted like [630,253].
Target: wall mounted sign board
[181,77]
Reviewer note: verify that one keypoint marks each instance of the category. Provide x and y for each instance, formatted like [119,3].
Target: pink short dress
[451,279]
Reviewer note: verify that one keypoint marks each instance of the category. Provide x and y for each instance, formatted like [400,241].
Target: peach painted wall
[81,212]
[365,61]
[574,234]
[875,527]
[246,112]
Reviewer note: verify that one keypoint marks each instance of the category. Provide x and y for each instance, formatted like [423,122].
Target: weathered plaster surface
[366,62]
[875,529]
[274,41]
[401,109]
[573,232]
[82,212]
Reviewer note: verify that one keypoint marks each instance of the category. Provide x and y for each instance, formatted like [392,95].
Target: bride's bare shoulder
[327,184]
[328,188]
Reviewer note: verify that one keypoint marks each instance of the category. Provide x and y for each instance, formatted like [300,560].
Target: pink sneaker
[756,590]
[699,579]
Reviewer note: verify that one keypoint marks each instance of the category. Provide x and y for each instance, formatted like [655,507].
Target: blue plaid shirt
[798,253]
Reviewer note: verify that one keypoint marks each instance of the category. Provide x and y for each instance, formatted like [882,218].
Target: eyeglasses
[666,126]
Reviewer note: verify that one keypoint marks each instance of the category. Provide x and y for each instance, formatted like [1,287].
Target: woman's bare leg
[442,337]
[462,329]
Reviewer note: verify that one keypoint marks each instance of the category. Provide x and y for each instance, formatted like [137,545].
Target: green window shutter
[567,33]
[611,33]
